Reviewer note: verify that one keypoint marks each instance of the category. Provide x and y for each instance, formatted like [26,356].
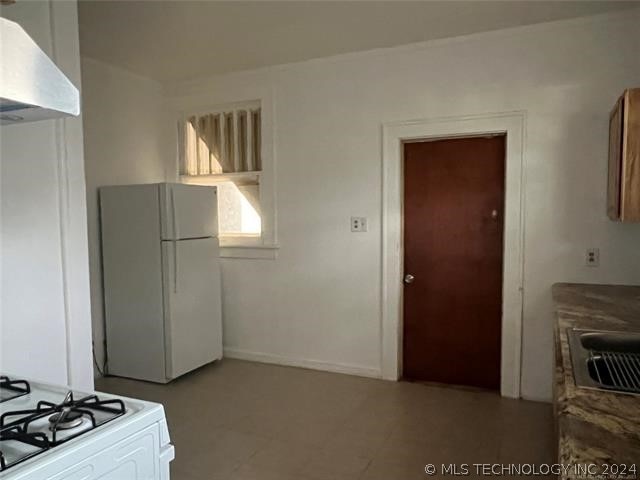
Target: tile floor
[237,420]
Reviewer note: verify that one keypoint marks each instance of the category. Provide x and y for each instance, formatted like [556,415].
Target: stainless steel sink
[606,360]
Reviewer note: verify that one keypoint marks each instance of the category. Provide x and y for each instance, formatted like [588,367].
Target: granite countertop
[594,426]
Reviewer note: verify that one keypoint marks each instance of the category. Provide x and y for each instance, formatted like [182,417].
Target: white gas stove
[53,433]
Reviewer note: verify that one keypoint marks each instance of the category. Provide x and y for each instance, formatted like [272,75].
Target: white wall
[45,327]
[127,141]
[319,302]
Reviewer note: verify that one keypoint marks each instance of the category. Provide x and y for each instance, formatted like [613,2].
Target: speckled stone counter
[594,426]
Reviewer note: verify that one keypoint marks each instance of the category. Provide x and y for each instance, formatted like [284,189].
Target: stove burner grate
[10,389]
[63,415]
[17,434]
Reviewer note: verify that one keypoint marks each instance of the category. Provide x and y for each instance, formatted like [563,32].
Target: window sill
[265,252]
[239,178]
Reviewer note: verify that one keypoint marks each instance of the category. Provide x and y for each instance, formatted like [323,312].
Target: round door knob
[408,278]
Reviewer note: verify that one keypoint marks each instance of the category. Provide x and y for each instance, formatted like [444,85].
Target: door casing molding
[394,135]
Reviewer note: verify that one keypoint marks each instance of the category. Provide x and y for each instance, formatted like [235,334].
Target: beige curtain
[226,142]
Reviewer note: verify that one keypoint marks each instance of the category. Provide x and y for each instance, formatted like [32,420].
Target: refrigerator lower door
[188,211]
[193,311]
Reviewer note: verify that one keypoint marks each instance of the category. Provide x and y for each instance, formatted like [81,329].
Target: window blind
[222,142]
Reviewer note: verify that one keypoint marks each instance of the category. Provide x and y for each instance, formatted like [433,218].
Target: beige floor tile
[355,442]
[394,470]
[440,449]
[248,472]
[370,422]
[215,453]
[179,474]
[309,433]
[262,424]
[335,465]
[405,452]
[281,457]
[236,420]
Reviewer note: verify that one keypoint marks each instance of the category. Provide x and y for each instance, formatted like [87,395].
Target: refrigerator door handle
[175,266]
[176,236]
[174,219]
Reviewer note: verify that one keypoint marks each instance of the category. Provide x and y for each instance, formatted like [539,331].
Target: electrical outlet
[358,224]
[592,257]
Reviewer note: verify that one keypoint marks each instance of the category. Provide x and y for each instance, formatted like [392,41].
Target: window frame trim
[266,244]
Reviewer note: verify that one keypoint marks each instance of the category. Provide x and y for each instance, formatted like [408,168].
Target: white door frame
[393,136]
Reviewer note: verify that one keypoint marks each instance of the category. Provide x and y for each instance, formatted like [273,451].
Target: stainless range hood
[31,86]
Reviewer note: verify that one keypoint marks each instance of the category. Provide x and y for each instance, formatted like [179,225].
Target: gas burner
[65,420]
[10,389]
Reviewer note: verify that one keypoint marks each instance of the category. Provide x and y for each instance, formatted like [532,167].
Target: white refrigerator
[161,279]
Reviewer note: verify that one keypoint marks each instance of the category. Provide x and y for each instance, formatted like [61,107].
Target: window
[238,209]
[224,148]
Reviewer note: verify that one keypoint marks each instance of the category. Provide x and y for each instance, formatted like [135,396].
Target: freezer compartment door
[188,211]
[193,323]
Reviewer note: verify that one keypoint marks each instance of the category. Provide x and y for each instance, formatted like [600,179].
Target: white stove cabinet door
[135,458]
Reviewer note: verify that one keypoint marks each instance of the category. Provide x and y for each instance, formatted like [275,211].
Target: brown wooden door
[453,231]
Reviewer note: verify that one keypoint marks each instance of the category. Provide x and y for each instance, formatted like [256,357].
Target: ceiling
[182,39]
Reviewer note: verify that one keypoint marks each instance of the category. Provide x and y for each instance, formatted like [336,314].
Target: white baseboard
[537,398]
[302,363]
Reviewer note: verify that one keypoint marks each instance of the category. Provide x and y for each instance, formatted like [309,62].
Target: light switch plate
[358,224]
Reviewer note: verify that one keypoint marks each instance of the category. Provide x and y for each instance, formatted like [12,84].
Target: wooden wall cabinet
[623,196]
